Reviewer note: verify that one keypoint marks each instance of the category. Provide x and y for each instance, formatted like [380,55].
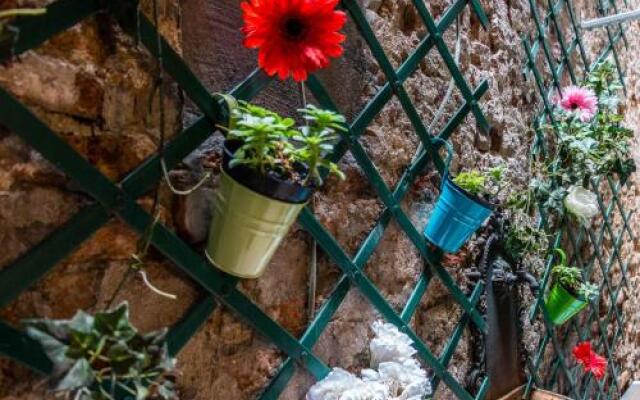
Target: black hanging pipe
[503,362]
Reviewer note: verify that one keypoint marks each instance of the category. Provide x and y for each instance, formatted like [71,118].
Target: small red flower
[591,361]
[294,37]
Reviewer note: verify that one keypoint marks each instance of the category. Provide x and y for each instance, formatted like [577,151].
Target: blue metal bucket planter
[457,214]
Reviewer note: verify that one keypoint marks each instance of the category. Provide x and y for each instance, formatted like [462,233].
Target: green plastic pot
[246,228]
[562,305]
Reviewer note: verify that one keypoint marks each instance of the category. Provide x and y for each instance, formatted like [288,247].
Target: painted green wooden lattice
[119,199]
[551,365]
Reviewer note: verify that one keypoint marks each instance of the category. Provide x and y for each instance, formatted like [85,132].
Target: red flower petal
[590,361]
[582,352]
[293,37]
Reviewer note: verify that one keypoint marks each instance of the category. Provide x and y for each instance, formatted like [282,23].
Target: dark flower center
[574,106]
[294,28]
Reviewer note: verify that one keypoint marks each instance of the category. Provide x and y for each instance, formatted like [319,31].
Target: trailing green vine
[590,142]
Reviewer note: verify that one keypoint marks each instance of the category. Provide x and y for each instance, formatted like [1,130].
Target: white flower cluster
[394,375]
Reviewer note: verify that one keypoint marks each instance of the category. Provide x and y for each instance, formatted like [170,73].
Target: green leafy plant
[97,356]
[524,238]
[604,80]
[271,144]
[586,149]
[549,197]
[265,140]
[486,183]
[571,278]
[317,139]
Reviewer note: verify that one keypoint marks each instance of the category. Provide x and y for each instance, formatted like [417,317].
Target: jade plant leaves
[271,144]
[96,357]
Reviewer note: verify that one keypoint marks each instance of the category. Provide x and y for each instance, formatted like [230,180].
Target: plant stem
[14,12]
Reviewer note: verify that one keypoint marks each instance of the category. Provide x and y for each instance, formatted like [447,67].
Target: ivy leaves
[96,357]
[585,149]
[595,148]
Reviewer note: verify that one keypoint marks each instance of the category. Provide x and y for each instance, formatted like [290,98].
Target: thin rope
[313,262]
[137,259]
[440,111]
[186,192]
[155,289]
[15,12]
[160,83]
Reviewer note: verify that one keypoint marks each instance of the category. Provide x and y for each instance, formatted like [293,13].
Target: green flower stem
[15,12]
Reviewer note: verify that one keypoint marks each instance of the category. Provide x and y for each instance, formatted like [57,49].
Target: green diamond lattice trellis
[548,366]
[120,199]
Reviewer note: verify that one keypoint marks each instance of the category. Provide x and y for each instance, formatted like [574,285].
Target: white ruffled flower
[395,374]
[342,385]
[581,203]
[389,344]
[406,380]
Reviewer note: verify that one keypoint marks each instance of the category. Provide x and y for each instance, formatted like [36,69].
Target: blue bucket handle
[447,161]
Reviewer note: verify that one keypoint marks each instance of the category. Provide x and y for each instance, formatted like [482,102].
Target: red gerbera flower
[294,37]
[591,361]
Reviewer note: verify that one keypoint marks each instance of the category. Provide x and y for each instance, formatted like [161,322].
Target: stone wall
[92,85]
[629,352]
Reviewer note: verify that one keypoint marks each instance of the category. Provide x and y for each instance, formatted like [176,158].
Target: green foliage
[481,183]
[96,356]
[317,139]
[472,181]
[599,147]
[524,239]
[571,278]
[265,139]
[549,197]
[272,144]
[604,79]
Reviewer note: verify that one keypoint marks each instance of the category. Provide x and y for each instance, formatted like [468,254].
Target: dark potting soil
[270,184]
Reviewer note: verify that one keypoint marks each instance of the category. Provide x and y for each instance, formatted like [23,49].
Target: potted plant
[270,169]
[103,357]
[465,202]
[569,294]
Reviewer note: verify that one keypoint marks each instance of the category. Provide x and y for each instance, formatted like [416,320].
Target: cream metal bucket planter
[248,225]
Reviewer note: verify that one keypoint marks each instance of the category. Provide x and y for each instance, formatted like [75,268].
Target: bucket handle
[447,161]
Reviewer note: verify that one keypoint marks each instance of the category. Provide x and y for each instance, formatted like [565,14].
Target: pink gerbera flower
[579,101]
